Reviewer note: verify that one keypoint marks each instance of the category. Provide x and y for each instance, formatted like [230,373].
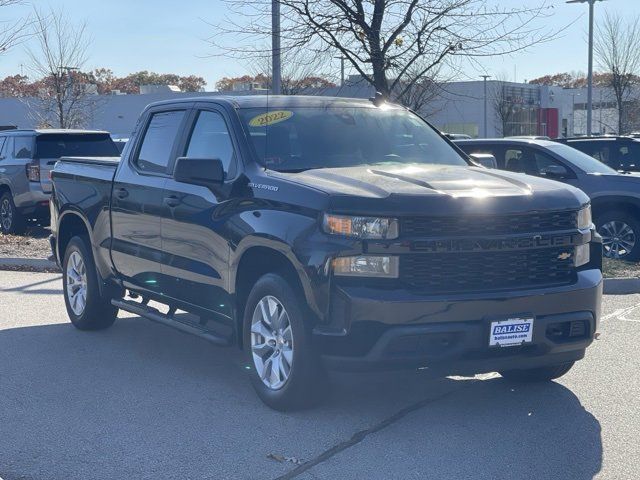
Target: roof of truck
[275,101]
[50,131]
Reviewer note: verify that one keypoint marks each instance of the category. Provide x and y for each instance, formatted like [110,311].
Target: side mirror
[207,172]
[484,159]
[554,171]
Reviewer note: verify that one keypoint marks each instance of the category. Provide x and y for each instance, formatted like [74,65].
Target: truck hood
[438,189]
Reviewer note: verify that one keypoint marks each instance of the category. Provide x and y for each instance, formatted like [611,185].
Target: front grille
[489,225]
[484,271]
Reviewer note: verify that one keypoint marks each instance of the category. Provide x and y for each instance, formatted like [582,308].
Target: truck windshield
[75,145]
[300,138]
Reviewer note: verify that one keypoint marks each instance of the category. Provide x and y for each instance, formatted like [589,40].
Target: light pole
[276,67]
[590,72]
[342,58]
[484,77]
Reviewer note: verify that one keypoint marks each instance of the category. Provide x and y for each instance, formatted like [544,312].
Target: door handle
[172,201]
[122,193]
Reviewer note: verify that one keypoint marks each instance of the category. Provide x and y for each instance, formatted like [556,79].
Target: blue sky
[167,36]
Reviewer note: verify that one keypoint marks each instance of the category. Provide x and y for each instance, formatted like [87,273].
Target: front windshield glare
[296,139]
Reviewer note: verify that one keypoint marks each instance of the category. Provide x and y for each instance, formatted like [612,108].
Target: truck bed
[92,160]
[85,183]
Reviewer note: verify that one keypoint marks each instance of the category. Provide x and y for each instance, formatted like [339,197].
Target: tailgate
[46,165]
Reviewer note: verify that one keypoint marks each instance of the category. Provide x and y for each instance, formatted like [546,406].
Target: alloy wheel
[618,239]
[76,283]
[6,214]
[271,342]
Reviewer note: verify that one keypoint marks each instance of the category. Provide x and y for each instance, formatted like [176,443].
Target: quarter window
[23,147]
[2,141]
[210,139]
[158,141]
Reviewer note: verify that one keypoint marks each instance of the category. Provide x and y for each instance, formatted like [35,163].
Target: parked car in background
[120,141]
[530,137]
[322,232]
[26,157]
[615,197]
[620,153]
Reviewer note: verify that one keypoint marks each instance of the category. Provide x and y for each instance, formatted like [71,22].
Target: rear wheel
[11,221]
[542,374]
[620,233]
[286,372]
[87,308]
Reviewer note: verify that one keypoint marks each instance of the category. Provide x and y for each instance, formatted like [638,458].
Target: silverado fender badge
[262,186]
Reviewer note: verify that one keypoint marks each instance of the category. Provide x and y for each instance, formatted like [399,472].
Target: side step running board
[155,315]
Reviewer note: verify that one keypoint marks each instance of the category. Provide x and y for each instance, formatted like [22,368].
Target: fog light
[366,266]
[581,256]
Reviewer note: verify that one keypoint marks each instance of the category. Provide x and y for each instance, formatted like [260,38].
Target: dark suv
[615,197]
[620,153]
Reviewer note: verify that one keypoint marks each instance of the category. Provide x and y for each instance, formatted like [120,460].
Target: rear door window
[2,142]
[75,145]
[158,142]
[7,148]
[23,147]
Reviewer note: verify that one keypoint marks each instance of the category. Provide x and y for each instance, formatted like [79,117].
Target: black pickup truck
[317,233]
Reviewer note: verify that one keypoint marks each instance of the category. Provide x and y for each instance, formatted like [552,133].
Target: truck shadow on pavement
[143,401]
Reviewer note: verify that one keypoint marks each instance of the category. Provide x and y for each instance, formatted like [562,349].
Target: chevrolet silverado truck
[322,233]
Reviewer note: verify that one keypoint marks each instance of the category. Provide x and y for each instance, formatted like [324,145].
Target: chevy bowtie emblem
[564,256]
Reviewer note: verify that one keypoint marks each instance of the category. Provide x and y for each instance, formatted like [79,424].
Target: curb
[621,286]
[28,264]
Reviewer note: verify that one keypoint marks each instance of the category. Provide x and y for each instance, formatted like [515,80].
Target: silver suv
[26,157]
[615,197]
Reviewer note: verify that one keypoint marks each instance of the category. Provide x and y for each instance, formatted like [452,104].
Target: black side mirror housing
[206,172]
[554,171]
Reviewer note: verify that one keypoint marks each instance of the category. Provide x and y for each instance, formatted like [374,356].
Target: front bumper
[388,329]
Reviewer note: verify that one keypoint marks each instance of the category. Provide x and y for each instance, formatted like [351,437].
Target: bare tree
[302,73]
[503,104]
[426,94]
[392,44]
[616,49]
[64,98]
[12,33]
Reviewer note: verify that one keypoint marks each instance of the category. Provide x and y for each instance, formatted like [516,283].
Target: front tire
[542,374]
[11,221]
[620,233]
[86,307]
[285,370]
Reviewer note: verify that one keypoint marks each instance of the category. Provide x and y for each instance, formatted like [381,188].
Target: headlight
[375,228]
[584,218]
[366,266]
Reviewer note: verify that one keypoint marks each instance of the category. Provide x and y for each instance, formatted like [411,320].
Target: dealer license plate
[511,332]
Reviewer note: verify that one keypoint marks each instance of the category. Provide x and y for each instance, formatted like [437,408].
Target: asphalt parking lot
[142,401]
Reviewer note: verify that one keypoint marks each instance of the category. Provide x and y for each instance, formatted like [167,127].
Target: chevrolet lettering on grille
[492,244]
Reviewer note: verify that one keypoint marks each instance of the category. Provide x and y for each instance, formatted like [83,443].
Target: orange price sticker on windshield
[270,118]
